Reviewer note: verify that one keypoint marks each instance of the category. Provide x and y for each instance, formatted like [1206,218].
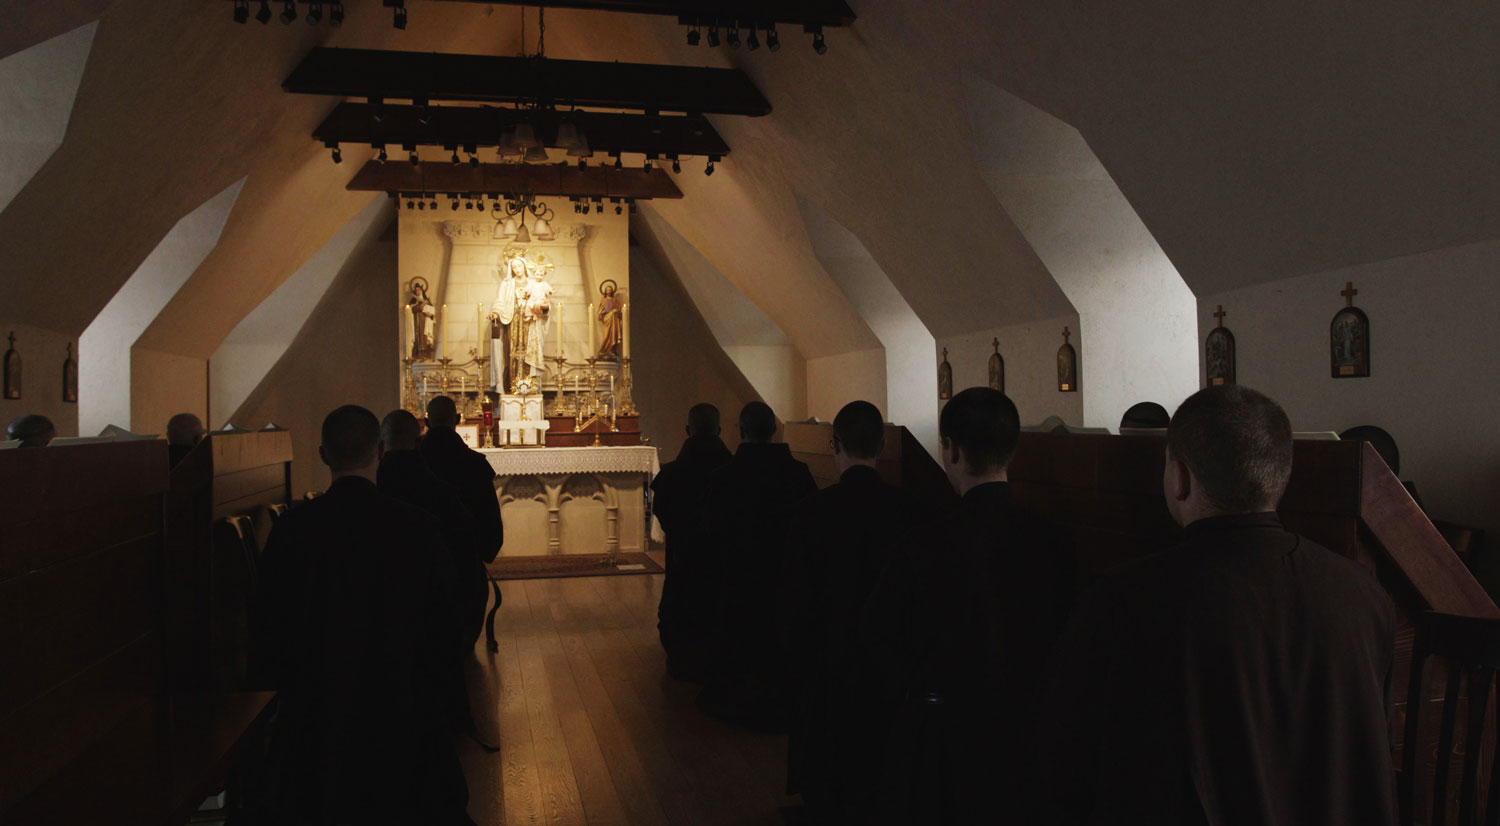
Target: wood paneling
[80,595]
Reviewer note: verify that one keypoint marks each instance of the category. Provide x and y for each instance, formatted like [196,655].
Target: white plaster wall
[834,381]
[104,363]
[1435,371]
[1030,353]
[756,345]
[37,88]
[253,347]
[910,381]
[1135,331]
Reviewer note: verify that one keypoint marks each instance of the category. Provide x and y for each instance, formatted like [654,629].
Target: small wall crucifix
[1349,338]
[1067,365]
[1219,315]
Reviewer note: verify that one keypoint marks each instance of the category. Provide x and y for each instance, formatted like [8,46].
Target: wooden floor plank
[560,798]
[591,729]
[734,791]
[591,775]
[503,788]
[673,785]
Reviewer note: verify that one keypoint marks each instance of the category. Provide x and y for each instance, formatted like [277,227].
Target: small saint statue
[610,317]
[421,326]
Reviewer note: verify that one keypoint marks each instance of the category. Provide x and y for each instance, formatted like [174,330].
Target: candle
[463,383]
[442,337]
[479,320]
[424,384]
[557,314]
[592,349]
[611,387]
[625,331]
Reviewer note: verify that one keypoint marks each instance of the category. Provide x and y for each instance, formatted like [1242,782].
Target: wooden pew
[1107,491]
[227,475]
[87,732]
[903,463]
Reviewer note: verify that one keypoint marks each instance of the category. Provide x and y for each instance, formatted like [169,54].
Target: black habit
[352,623]
[404,474]
[963,620]
[842,538]
[749,506]
[452,461]
[1239,678]
[677,500]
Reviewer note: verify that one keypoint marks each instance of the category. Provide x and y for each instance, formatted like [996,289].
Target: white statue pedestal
[521,422]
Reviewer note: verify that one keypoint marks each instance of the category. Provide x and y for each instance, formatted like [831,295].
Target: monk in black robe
[1239,677]
[749,506]
[963,621]
[404,474]
[352,624]
[841,539]
[466,470]
[687,610]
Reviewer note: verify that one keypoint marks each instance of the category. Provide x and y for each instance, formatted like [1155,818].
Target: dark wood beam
[608,133]
[638,87]
[799,12]
[548,180]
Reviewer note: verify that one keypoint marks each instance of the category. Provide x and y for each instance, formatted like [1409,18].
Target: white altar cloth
[573,500]
[542,461]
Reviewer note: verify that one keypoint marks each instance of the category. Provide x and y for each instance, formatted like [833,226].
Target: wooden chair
[1470,647]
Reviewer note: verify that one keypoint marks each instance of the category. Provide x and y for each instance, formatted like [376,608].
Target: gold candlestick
[443,376]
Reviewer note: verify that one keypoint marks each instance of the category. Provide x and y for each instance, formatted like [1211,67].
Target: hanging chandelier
[506,212]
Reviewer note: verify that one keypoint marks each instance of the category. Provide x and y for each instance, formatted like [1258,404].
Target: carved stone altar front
[584,500]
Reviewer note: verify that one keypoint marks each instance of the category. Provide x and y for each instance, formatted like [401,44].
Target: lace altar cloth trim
[547,461]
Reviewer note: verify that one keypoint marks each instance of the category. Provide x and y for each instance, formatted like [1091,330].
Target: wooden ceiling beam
[549,180]
[425,76]
[458,126]
[833,13]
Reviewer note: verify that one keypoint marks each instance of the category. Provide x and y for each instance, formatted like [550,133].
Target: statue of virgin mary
[519,319]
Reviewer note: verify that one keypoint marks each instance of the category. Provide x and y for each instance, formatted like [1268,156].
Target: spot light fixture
[473,152]
[773,40]
[381,157]
[454,159]
[734,36]
[819,44]
[709,169]
[336,14]
[618,208]
[713,35]
[752,40]
[314,14]
[289,12]
[398,15]
[338,157]
[241,11]
[619,162]
[411,153]
[454,204]
[410,203]
[694,37]
[676,164]
[433,205]
[263,14]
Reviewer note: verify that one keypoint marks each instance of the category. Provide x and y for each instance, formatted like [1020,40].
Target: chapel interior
[256,211]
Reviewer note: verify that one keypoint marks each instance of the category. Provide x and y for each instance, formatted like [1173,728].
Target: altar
[573,500]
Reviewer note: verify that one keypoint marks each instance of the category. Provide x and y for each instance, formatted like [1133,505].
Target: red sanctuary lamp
[489,421]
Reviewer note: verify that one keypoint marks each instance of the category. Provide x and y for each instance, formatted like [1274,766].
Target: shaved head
[400,430]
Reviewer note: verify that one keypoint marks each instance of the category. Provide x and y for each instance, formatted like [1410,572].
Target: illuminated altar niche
[455,251]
